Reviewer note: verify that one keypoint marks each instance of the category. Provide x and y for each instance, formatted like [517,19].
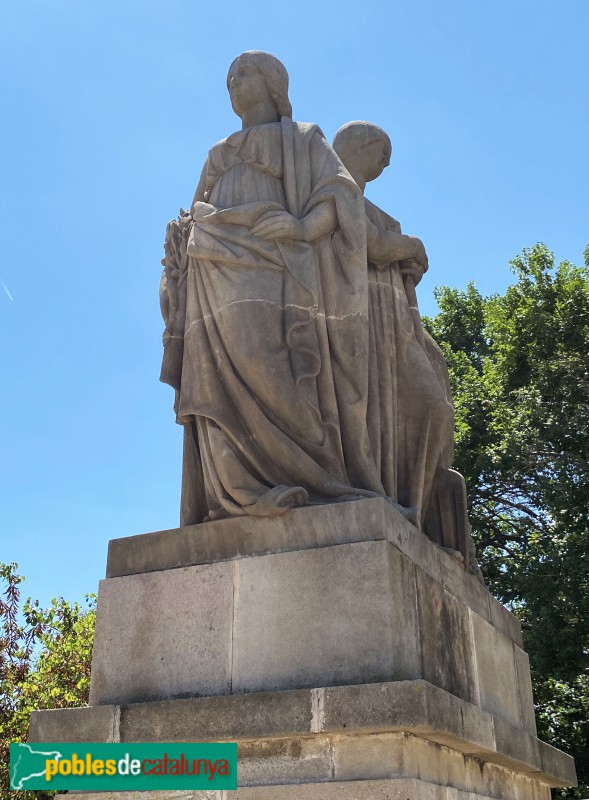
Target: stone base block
[393,789]
[404,729]
[352,594]
[224,631]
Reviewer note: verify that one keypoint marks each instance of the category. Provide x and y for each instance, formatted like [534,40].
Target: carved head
[255,77]
[364,148]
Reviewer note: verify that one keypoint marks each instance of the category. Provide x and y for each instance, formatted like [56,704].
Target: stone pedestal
[348,655]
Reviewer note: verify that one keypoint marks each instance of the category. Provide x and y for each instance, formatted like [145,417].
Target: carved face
[374,157]
[247,86]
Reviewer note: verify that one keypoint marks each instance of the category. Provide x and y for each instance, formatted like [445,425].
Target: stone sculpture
[265,301]
[346,654]
[410,412]
[298,380]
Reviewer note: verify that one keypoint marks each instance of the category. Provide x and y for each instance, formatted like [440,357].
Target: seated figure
[410,412]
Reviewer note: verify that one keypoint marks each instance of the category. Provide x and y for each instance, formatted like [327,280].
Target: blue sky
[109,111]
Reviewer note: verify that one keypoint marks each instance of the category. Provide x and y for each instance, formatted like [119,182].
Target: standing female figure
[265,299]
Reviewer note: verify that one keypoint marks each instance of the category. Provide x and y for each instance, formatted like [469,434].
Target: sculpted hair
[275,75]
[354,135]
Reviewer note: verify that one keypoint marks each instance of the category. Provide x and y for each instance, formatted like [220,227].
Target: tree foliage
[45,657]
[519,366]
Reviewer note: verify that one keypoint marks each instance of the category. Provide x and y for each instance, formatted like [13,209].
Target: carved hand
[419,255]
[412,268]
[279,225]
[320,221]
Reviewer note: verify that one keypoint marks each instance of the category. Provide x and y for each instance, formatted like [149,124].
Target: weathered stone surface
[422,551]
[404,617]
[292,619]
[300,529]
[401,707]
[372,707]
[275,761]
[513,746]
[396,789]
[505,622]
[492,779]
[391,789]
[413,706]
[495,671]
[446,640]
[384,608]
[464,586]
[524,684]
[330,615]
[170,795]
[393,755]
[163,634]
[99,724]
[247,716]
[309,618]
[367,613]
[237,537]
[555,763]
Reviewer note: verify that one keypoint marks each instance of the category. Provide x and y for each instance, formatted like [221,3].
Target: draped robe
[267,341]
[410,412]
[410,416]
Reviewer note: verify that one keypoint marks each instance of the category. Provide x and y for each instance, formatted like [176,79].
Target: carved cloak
[267,343]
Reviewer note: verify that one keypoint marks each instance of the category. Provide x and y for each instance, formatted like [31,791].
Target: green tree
[45,657]
[519,366]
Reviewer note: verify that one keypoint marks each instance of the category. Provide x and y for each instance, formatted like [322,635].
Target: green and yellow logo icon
[120,767]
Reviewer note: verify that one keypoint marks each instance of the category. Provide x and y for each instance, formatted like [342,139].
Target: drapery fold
[272,371]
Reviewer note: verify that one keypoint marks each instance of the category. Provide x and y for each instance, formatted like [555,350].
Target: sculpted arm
[199,195]
[321,220]
[385,246]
